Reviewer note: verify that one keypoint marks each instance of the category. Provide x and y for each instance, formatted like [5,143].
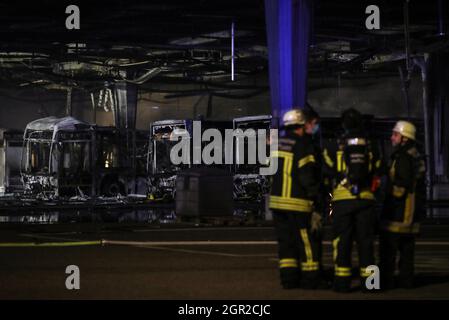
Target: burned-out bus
[162,172]
[120,161]
[65,157]
[248,183]
[57,157]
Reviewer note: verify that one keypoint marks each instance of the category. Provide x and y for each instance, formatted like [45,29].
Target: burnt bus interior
[221,126]
[71,162]
[56,162]
[85,161]
[120,166]
[75,158]
[248,183]
[162,173]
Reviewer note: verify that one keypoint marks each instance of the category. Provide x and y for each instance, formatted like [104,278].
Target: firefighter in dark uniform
[403,207]
[312,127]
[294,189]
[350,163]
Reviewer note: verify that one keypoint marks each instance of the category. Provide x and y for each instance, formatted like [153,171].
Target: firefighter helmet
[294,117]
[406,129]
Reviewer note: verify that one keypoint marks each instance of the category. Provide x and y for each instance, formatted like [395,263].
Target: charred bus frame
[248,184]
[64,157]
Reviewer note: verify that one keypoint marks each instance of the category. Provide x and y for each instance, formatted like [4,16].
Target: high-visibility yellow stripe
[302,162]
[328,159]
[289,207]
[343,274]
[339,161]
[399,227]
[378,163]
[284,177]
[285,202]
[392,171]
[289,178]
[286,170]
[309,266]
[297,201]
[288,263]
[294,204]
[288,260]
[398,191]
[307,247]
[370,162]
[409,208]
[280,153]
[341,193]
[342,271]
[335,247]
[299,206]
[364,273]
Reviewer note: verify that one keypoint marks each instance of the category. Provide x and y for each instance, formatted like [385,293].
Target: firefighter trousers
[297,249]
[352,219]
[390,245]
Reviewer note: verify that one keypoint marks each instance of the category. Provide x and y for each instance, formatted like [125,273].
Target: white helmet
[406,129]
[294,117]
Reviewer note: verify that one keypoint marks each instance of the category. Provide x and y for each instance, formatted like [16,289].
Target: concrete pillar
[125,105]
[288,34]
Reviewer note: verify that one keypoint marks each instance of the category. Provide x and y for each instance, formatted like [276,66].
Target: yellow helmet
[406,129]
[294,117]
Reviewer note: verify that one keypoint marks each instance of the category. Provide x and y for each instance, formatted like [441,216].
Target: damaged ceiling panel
[190,41]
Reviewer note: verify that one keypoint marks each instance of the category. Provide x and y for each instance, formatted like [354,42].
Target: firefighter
[350,163]
[403,207]
[294,189]
[312,128]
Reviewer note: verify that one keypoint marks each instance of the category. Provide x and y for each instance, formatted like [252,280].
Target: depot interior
[86,114]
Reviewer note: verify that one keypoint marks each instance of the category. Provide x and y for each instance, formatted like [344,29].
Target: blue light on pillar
[288,30]
[285,55]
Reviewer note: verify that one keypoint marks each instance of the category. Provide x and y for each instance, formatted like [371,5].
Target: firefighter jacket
[335,169]
[405,196]
[296,183]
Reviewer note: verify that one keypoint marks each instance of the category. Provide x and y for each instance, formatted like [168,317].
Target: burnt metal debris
[66,164]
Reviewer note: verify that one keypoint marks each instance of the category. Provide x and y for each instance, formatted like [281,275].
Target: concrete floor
[160,263]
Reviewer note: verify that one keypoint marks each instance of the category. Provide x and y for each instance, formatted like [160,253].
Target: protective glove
[316,222]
